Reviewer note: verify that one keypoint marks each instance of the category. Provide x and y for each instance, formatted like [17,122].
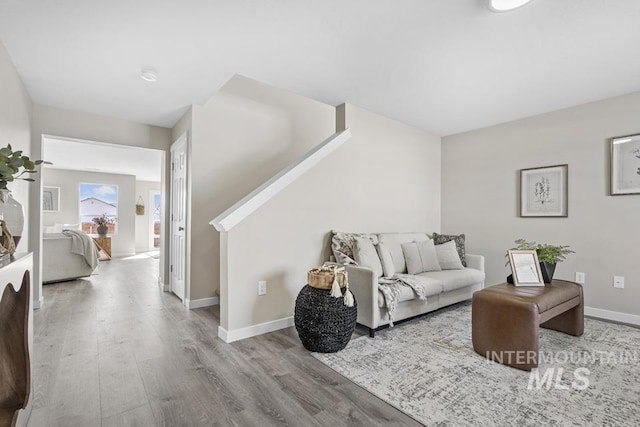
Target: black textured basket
[324,323]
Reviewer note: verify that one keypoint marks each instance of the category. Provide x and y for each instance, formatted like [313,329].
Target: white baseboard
[203,302]
[632,319]
[163,286]
[254,330]
[37,303]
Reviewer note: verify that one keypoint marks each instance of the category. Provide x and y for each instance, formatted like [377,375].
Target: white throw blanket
[390,289]
[83,245]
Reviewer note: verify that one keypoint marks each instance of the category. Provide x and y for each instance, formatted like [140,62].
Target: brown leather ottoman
[506,318]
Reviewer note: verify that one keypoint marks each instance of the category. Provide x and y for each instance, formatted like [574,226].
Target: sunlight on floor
[145,255]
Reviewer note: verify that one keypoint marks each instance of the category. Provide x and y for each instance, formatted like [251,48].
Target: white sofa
[58,262]
[444,287]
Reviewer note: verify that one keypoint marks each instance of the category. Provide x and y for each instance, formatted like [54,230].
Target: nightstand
[104,244]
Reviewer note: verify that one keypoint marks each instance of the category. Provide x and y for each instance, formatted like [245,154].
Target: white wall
[480,195]
[385,178]
[124,241]
[15,129]
[84,126]
[143,222]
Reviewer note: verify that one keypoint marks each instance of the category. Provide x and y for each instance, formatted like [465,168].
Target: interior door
[178,216]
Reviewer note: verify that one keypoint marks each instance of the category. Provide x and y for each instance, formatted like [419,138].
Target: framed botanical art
[544,191]
[525,268]
[625,165]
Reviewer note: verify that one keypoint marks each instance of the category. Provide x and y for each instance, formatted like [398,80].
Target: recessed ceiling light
[149,74]
[506,5]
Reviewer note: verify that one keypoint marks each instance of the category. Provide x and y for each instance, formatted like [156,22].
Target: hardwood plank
[115,350]
[138,417]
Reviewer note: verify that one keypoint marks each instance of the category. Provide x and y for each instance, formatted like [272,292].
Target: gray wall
[143,222]
[15,129]
[480,193]
[240,138]
[124,241]
[385,178]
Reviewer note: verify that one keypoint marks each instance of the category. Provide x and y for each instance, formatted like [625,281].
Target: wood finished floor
[114,350]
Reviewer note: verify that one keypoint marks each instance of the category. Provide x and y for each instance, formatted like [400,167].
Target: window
[95,200]
[156,220]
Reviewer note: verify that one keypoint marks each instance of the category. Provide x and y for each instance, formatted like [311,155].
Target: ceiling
[144,163]
[443,66]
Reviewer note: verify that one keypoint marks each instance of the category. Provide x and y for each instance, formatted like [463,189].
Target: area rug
[427,369]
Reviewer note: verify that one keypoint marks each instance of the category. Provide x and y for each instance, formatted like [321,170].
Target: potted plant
[548,255]
[103,222]
[13,166]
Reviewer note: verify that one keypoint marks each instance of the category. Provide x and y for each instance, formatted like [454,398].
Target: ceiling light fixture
[149,75]
[506,5]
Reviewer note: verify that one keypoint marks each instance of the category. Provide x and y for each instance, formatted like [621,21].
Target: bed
[59,263]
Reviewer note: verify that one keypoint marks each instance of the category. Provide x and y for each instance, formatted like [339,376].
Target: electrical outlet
[618,282]
[262,287]
[580,277]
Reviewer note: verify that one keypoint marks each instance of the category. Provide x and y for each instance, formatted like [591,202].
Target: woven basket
[324,279]
[324,323]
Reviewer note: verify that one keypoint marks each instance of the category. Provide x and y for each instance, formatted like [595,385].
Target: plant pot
[12,213]
[102,230]
[547,269]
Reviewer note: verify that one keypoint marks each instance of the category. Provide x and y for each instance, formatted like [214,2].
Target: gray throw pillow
[388,268]
[448,256]
[365,255]
[420,257]
[459,239]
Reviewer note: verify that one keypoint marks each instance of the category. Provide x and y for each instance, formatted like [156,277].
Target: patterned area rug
[427,368]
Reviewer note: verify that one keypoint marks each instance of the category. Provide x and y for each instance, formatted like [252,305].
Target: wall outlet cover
[580,277]
[618,282]
[262,287]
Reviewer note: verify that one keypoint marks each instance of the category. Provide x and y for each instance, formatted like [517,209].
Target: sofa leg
[372,333]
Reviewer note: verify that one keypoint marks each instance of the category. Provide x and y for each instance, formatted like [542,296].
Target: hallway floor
[114,350]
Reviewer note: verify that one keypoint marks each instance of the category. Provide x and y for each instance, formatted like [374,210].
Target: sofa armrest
[364,285]
[475,261]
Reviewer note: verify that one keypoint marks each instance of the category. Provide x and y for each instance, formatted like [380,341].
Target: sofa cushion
[342,246]
[459,239]
[432,286]
[448,256]
[393,242]
[388,269]
[455,279]
[420,256]
[365,255]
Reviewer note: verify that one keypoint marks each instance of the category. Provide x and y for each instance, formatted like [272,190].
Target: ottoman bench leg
[570,322]
[505,330]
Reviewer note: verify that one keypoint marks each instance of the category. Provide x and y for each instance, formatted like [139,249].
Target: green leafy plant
[13,164]
[103,220]
[552,254]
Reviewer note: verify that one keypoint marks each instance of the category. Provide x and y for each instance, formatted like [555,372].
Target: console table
[16,339]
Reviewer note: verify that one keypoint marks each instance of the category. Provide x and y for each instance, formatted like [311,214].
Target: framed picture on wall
[544,191]
[51,199]
[625,165]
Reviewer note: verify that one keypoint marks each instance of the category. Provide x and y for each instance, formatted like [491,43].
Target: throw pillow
[388,269]
[448,256]
[459,239]
[420,257]
[365,255]
[342,246]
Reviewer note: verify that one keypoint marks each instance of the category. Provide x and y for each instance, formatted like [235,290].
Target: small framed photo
[51,199]
[625,165]
[525,268]
[544,191]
